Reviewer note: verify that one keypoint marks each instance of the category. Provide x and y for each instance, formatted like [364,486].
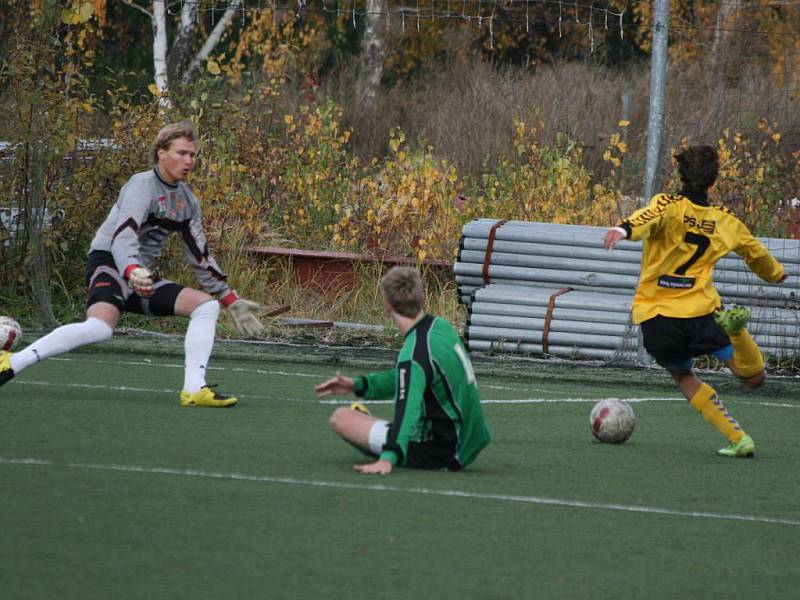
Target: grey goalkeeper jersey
[147,211]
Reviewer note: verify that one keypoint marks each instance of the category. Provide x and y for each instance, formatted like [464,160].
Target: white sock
[61,340]
[198,344]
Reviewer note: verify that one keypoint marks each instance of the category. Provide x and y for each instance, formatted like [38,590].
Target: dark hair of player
[698,167]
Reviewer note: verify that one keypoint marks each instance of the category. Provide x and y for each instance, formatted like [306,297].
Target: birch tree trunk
[160,51]
[211,41]
[373,53]
[181,51]
[169,64]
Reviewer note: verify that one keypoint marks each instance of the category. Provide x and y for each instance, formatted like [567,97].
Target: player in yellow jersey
[676,303]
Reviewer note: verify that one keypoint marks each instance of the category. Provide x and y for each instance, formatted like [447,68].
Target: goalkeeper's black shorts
[106,284]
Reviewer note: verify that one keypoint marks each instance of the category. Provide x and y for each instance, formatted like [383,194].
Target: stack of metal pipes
[508,292]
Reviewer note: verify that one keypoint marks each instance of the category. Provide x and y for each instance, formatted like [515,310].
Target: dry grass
[273,282]
[465,111]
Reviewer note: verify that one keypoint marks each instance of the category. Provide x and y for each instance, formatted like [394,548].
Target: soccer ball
[612,421]
[10,333]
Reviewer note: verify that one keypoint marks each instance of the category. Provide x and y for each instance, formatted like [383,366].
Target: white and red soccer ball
[10,333]
[612,421]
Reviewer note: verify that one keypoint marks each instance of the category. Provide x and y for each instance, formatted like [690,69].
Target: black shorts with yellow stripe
[106,284]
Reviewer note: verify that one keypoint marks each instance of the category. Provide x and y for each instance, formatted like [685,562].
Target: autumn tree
[191,46]
[42,100]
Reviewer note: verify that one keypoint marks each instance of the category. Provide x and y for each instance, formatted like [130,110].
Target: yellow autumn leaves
[78,12]
[306,187]
[312,192]
[290,178]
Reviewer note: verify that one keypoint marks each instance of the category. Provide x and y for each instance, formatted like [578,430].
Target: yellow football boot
[207,397]
[6,372]
[359,407]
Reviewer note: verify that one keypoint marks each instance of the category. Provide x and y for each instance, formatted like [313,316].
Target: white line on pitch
[489,386]
[148,363]
[151,363]
[522,400]
[121,388]
[117,388]
[570,401]
[541,500]
[774,404]
[92,386]
[346,402]
[576,400]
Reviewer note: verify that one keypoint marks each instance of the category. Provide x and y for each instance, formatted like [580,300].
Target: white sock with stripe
[198,344]
[61,340]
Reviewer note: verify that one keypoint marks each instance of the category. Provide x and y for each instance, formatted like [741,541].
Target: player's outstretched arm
[338,385]
[380,467]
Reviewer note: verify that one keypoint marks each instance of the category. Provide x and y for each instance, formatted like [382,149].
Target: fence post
[655,123]
[658,84]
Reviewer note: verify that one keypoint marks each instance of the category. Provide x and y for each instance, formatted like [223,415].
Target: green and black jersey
[438,420]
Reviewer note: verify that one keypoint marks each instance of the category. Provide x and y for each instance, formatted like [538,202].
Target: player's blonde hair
[173,131]
[402,289]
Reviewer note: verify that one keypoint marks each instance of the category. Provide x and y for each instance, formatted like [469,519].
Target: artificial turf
[111,490]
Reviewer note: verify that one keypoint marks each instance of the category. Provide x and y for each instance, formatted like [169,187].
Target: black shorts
[673,342]
[432,454]
[428,455]
[422,455]
[106,284]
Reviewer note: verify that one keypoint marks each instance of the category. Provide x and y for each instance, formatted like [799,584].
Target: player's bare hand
[339,385]
[612,238]
[380,467]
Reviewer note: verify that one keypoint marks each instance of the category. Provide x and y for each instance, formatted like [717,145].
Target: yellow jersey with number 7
[683,239]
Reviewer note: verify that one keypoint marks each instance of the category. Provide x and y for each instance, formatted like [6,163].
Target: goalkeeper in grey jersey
[438,421]
[119,270]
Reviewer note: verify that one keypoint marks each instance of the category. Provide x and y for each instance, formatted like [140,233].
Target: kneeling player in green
[438,421]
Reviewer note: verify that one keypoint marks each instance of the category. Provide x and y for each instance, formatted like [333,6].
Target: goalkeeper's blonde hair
[173,131]
[402,289]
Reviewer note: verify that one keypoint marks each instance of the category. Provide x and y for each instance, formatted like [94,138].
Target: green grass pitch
[109,489]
